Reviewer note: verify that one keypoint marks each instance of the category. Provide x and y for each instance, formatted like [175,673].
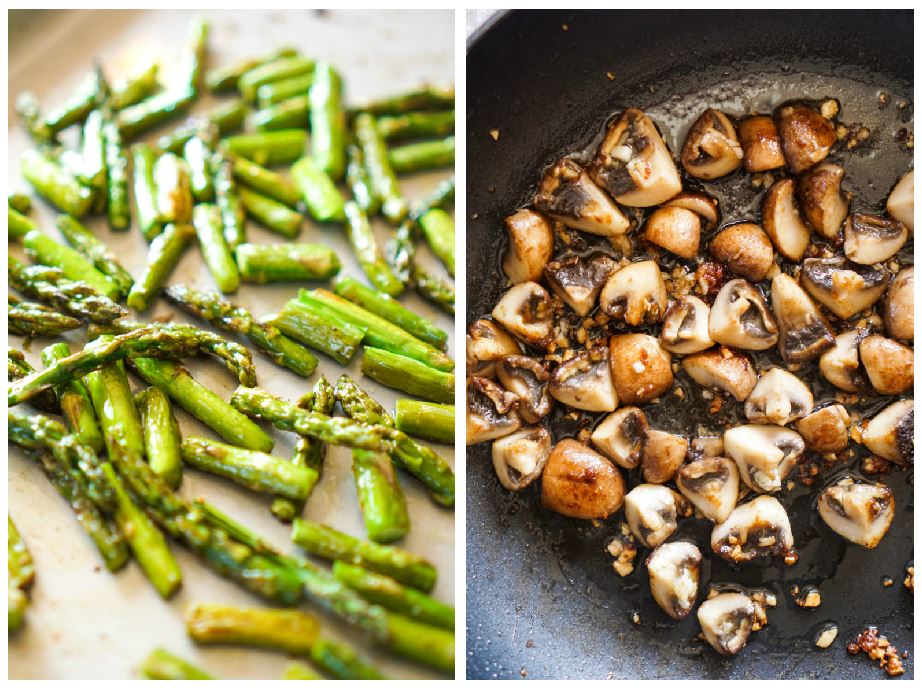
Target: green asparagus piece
[320,331]
[383,177]
[328,121]
[145,191]
[387,592]
[147,543]
[217,255]
[434,289]
[288,114]
[269,148]
[330,544]
[18,368]
[93,249]
[278,91]
[161,434]
[117,202]
[222,79]
[129,91]
[360,406]
[408,375]
[30,112]
[72,297]
[271,72]
[273,263]
[380,332]
[359,182]
[93,149]
[163,255]
[18,224]
[34,320]
[434,421]
[341,662]
[440,197]
[417,125]
[364,246]
[423,155]
[428,97]
[284,630]
[202,404]
[44,250]
[297,670]
[321,197]
[198,157]
[266,182]
[439,230]
[233,215]
[385,306]
[75,402]
[195,58]
[114,405]
[226,119]
[271,213]
[21,573]
[174,190]
[19,202]
[162,665]
[145,115]
[80,104]
[383,505]
[55,183]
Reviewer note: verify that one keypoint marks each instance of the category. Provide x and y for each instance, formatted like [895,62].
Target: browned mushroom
[761,144]
[806,136]
[525,311]
[900,201]
[584,382]
[840,364]
[843,287]
[726,622]
[640,368]
[568,194]
[822,202]
[527,378]
[580,483]
[531,243]
[758,528]
[685,326]
[779,397]
[675,229]
[711,148]
[633,163]
[825,430]
[702,204]
[898,306]
[722,369]
[740,317]
[662,455]
[486,343]
[674,570]
[519,458]
[764,453]
[712,486]
[635,294]
[745,249]
[491,411]
[889,434]
[859,512]
[871,239]
[804,333]
[621,435]
[782,221]
[652,513]
[578,280]
[888,364]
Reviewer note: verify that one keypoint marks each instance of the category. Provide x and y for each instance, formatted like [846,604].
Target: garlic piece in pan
[674,569]
[711,148]
[758,528]
[580,483]
[745,249]
[871,239]
[525,311]
[822,202]
[685,326]
[782,221]
[740,317]
[900,201]
[635,294]
[778,398]
[761,144]
[652,512]
[804,332]
[584,382]
[621,436]
[722,369]
[491,411]
[519,458]
[711,484]
[640,368]
[527,378]
[764,453]
[806,136]
[861,513]
[487,342]
[569,195]
[726,621]
[888,364]
[843,287]
[578,280]
[531,243]
[889,433]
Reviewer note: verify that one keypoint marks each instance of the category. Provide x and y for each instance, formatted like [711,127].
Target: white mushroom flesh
[861,513]
[584,382]
[578,280]
[652,513]
[844,288]
[888,364]
[662,455]
[898,306]
[621,435]
[525,311]
[531,243]
[889,433]
[685,326]
[491,411]
[806,136]
[822,202]
[778,398]
[674,569]
[711,484]
[740,317]
[722,369]
[635,294]
[519,458]
[568,194]
[761,144]
[804,334]
[726,621]
[900,201]
[487,342]
[841,366]
[711,148]
[764,453]
[526,378]
[871,239]
[676,230]
[758,528]
[782,221]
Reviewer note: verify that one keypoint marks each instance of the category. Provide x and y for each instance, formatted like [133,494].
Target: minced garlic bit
[879,649]
[827,636]
[495,134]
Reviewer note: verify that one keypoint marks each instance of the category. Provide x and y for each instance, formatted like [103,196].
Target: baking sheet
[84,622]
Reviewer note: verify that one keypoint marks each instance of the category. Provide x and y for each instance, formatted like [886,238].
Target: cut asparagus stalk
[161,435]
[277,91]
[365,248]
[75,402]
[271,72]
[18,225]
[284,630]
[272,214]
[197,155]
[53,182]
[114,405]
[381,499]
[291,113]
[273,263]
[218,258]
[323,200]
[359,181]
[34,320]
[21,575]
[269,148]
[226,118]
[227,198]
[22,203]
[44,250]
[135,88]
[328,121]
[298,670]
[18,368]
[439,230]
[266,182]
[220,79]
[163,255]
[422,155]
[174,189]
[427,97]
[341,662]
[326,333]
[93,150]
[162,665]
[145,191]
[93,249]
[433,421]
[378,165]
[147,114]
[408,375]
[118,205]
[415,125]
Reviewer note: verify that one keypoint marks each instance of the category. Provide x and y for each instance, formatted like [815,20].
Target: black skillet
[542,599]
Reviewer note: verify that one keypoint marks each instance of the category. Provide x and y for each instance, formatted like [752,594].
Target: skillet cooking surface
[543,601]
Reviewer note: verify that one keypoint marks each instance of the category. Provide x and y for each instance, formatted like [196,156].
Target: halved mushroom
[578,280]
[580,483]
[822,202]
[705,447]
[871,239]
[685,326]
[889,434]
[711,148]
[675,570]
[859,512]
[662,455]
[525,311]
[633,163]
[531,243]
[841,366]
[778,398]
[568,194]
[843,287]
[726,621]
[745,249]
[621,436]
[712,486]
[887,363]
[675,229]
[806,136]
[584,382]
[519,458]
[764,453]
[900,201]
[486,343]
[758,528]
[804,332]
[740,317]
[491,411]
[702,204]
[722,369]
[761,144]
[782,221]
[635,293]
[652,512]
[898,306]
[825,430]
[640,368]
[527,378]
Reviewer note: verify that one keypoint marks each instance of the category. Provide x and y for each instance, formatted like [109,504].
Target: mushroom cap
[822,202]
[778,398]
[702,204]
[806,136]
[530,245]
[491,411]
[662,455]
[782,221]
[674,569]
[843,287]
[900,201]
[578,280]
[722,369]
[861,513]
[726,621]
[888,364]
[711,484]
[584,381]
[525,311]
[675,229]
[711,148]
[740,317]
[519,458]
[635,293]
[825,430]
[840,364]
[569,195]
[621,436]
[640,368]
[580,483]
[487,342]
[889,433]
[652,513]
[757,528]
[870,239]
[685,326]
[764,453]
[898,306]
[527,378]
[804,332]
[761,144]
[745,249]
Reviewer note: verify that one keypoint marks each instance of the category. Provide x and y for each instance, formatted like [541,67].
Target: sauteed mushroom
[782,221]
[822,202]
[825,430]
[633,163]
[758,528]
[525,311]
[652,513]
[584,382]
[722,369]
[568,194]
[662,455]
[712,486]
[578,280]
[580,483]
[843,287]
[746,250]
[778,398]
[898,306]
[726,621]
[859,512]
[764,453]
[806,136]
[890,433]
[804,333]
[640,368]
[486,343]
[871,239]
[900,201]
[635,293]
[702,204]
[705,446]
[761,144]
[531,243]
[621,436]
[674,570]
[740,318]
[491,411]
[526,378]
[675,229]
[840,365]
[520,457]
[888,364]
[685,326]
[711,148]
